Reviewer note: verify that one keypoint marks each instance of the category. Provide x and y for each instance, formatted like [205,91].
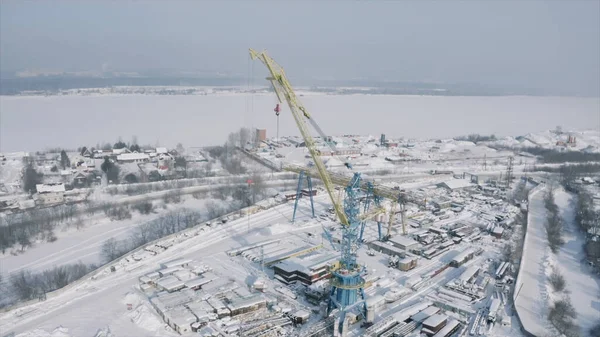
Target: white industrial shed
[455,184]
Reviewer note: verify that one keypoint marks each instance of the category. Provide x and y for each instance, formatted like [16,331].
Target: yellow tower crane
[285,93]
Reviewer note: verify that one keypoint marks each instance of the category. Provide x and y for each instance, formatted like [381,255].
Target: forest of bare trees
[25,285]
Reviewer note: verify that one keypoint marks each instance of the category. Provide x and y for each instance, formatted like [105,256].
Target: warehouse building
[386,248]
[455,184]
[245,305]
[407,263]
[442,203]
[403,242]
[463,257]
[424,314]
[433,324]
[305,270]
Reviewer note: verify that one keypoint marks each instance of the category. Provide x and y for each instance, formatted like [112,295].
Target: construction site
[380,237]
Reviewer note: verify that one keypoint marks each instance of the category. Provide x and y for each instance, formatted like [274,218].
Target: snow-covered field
[84,245]
[584,287]
[97,304]
[32,123]
[534,294]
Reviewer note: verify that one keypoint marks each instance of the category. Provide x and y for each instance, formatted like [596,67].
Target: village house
[133,158]
[49,194]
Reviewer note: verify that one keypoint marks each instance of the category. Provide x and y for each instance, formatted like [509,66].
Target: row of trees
[227,154]
[23,229]
[555,156]
[25,285]
[587,219]
[475,138]
[554,223]
[168,224]
[37,224]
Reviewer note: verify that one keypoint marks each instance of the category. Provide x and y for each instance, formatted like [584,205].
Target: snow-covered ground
[531,296]
[584,287]
[29,123]
[84,244]
[534,294]
[97,304]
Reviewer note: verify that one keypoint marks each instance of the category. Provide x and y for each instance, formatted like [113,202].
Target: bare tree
[562,316]
[21,284]
[110,249]
[557,280]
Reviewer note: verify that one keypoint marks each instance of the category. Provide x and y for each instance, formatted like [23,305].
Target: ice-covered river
[32,123]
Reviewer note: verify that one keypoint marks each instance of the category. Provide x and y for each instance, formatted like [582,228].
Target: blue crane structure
[299,193]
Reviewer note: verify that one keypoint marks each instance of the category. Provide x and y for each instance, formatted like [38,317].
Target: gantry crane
[347,282]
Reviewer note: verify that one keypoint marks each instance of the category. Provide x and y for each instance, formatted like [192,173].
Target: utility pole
[485,162]
[250,190]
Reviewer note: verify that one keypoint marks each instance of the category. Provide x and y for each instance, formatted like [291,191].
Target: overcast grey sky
[553,45]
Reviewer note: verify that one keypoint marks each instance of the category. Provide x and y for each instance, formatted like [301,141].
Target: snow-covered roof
[169,270]
[121,151]
[460,257]
[403,241]
[425,313]
[498,230]
[176,262]
[435,320]
[132,156]
[197,282]
[170,282]
[240,303]
[467,274]
[455,184]
[48,188]
[182,317]
[445,330]
[161,150]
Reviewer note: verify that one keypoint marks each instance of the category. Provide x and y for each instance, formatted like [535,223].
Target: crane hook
[277,109]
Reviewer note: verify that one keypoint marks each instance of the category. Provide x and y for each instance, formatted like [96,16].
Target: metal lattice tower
[347,284]
[371,197]
[299,193]
[509,171]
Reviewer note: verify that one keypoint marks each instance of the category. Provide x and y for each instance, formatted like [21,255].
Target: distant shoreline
[57,85]
[162,90]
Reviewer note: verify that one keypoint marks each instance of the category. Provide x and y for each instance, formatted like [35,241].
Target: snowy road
[530,294]
[94,304]
[581,283]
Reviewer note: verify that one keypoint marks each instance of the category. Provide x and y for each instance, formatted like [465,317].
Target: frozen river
[33,123]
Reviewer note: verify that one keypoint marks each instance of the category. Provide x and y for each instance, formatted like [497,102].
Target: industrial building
[463,257]
[407,263]
[442,202]
[261,135]
[455,184]
[306,270]
[433,324]
[386,248]
[403,242]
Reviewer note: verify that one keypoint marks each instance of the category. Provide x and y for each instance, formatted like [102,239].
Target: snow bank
[144,317]
[142,314]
